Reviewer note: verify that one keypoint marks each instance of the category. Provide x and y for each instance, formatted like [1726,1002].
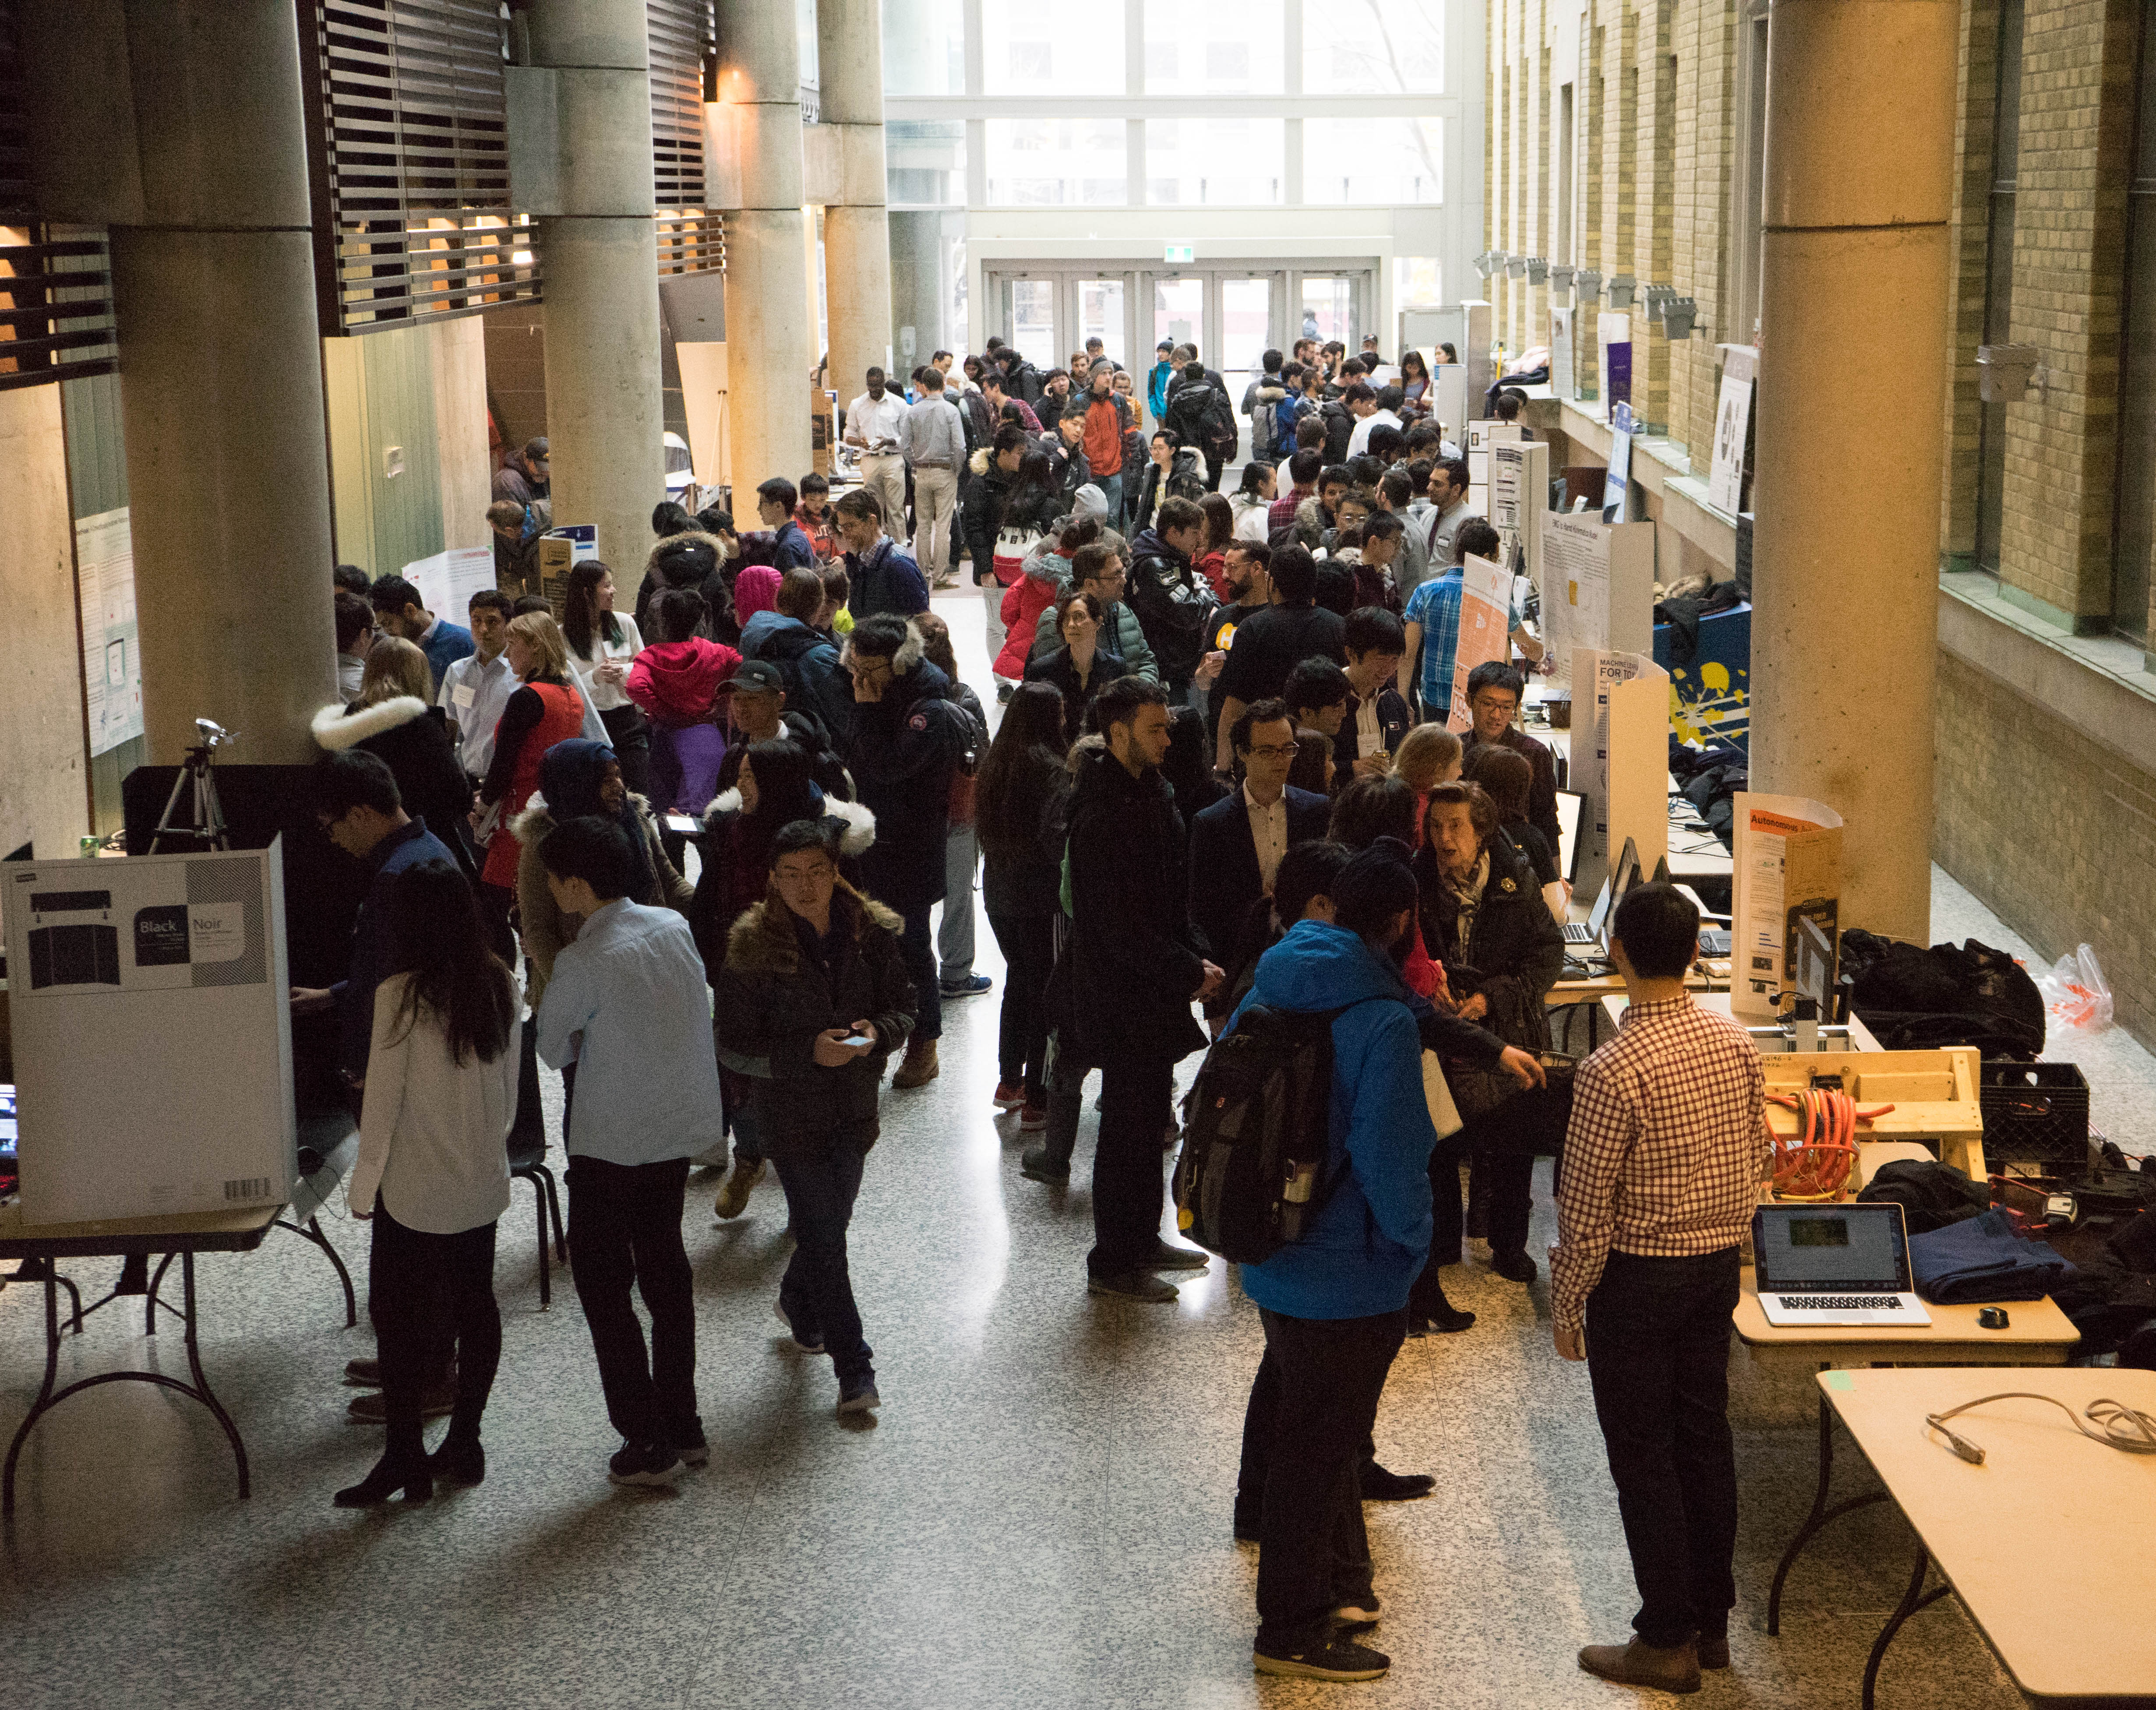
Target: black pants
[1028,943]
[1213,467]
[822,1182]
[917,949]
[1137,1100]
[1311,1407]
[625,1227]
[1658,1357]
[629,734]
[425,1292]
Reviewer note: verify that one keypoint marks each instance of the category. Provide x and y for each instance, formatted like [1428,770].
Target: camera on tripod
[204,827]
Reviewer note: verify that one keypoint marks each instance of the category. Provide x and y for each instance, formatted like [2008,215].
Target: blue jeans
[1111,489]
[917,949]
[817,1291]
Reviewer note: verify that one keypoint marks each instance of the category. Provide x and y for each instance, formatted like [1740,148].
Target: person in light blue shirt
[628,1011]
[1432,625]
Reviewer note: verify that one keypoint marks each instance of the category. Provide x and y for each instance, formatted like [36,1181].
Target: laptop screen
[1600,917]
[1830,1246]
[7,1129]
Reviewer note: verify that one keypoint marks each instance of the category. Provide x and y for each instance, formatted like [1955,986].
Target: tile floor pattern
[1039,1519]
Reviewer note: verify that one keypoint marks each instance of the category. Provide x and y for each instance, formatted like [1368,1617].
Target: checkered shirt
[1435,605]
[1666,1148]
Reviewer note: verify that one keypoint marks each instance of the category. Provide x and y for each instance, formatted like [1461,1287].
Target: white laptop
[1833,1264]
[1590,930]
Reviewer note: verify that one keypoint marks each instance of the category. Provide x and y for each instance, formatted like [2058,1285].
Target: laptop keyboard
[1578,932]
[1841,1302]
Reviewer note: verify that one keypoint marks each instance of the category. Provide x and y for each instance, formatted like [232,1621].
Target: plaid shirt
[1666,1149]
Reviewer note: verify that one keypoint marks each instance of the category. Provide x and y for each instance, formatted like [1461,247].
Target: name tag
[462,694]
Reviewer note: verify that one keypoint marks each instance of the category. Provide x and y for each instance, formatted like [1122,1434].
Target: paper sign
[1787,873]
[448,580]
[1732,421]
[1485,615]
[111,655]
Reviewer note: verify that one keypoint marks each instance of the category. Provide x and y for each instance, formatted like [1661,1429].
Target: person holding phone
[812,1000]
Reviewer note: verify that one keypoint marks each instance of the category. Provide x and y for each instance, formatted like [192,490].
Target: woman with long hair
[603,644]
[1415,395]
[394,718]
[1429,755]
[432,1175]
[1082,666]
[1507,778]
[1212,560]
[546,710]
[1020,781]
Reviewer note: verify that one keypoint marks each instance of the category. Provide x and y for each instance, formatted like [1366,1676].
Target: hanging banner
[112,654]
[1485,627]
[1560,343]
[1616,488]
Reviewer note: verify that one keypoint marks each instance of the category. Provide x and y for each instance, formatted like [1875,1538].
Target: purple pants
[685,766]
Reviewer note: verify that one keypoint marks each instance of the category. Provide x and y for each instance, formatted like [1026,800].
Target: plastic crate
[2035,1113]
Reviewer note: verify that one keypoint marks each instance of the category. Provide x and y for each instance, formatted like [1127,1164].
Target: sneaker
[438,1402]
[1352,1618]
[1008,1096]
[733,1197]
[1034,1119]
[1167,1256]
[1035,1165]
[972,986]
[690,1443]
[794,1336]
[1332,1659]
[1132,1285]
[918,1067]
[644,1464]
[859,1396]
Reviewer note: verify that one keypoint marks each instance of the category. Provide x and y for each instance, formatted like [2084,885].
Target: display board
[111,655]
[1485,627]
[1620,757]
[1732,426]
[1613,343]
[1785,912]
[1481,435]
[1519,501]
[447,581]
[561,550]
[1598,587]
[150,1003]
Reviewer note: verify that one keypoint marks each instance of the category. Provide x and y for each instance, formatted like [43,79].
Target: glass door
[1102,314]
[1326,308]
[1178,312]
[1248,322]
[1029,306]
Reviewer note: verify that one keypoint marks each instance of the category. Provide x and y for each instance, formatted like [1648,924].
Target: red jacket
[677,682]
[1023,602]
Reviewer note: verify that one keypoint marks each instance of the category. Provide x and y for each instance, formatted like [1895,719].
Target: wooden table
[239,1231]
[1859,1038]
[2047,1544]
[2037,1334]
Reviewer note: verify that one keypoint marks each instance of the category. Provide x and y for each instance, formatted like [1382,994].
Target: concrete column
[757,125]
[856,230]
[599,258]
[220,383]
[1860,155]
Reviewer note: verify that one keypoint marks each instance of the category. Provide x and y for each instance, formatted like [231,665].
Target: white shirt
[431,1132]
[1369,733]
[1358,442]
[1268,835]
[607,696]
[474,691]
[868,419]
[1250,518]
[350,673]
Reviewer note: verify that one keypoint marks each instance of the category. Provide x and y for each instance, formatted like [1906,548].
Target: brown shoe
[1713,1650]
[437,1403]
[919,1066]
[733,1196]
[1671,1668]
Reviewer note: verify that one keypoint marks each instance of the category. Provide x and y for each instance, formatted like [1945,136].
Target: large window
[1051,50]
[2134,542]
[924,47]
[1214,161]
[1367,47]
[1372,160]
[1057,162]
[1214,47]
[925,163]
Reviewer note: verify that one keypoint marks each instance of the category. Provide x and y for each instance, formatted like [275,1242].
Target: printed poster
[1787,873]
[1575,589]
[111,653]
[1732,423]
[1613,339]
[1616,490]
[1485,627]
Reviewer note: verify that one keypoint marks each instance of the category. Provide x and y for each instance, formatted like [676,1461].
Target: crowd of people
[1220,778]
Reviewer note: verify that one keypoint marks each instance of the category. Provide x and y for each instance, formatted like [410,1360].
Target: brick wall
[1974,123]
[2057,835]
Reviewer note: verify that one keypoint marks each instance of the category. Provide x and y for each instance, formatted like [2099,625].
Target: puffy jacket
[412,740]
[676,683]
[726,886]
[1121,633]
[809,662]
[905,750]
[1369,1241]
[1047,573]
[1515,950]
[1339,428]
[1172,604]
[690,559]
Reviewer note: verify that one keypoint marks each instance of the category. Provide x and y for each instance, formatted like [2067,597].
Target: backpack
[1185,479]
[1251,1177]
[1287,413]
[1265,418]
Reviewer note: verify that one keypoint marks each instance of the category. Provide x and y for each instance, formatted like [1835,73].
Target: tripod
[204,829]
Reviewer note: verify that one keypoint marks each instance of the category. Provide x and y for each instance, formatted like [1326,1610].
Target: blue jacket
[373,945]
[809,664]
[446,643]
[1369,1242]
[1157,388]
[790,547]
[885,579]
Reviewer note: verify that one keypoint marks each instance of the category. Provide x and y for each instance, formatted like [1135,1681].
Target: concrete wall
[43,795]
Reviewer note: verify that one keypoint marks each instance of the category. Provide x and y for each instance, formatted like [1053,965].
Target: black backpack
[1251,1177]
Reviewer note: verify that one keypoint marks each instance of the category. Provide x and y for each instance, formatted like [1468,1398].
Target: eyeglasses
[1277,750]
[1492,703]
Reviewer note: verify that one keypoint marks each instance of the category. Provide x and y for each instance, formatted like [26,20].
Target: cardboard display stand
[561,550]
[150,1002]
[1598,587]
[1519,501]
[1620,758]
[1784,914]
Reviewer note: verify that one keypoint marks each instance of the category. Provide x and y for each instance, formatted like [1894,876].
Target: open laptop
[1833,1264]
[1590,930]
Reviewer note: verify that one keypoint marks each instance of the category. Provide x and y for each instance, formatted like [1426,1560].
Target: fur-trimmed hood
[337,727]
[674,542]
[531,825]
[907,659]
[762,941]
[857,824]
[978,462]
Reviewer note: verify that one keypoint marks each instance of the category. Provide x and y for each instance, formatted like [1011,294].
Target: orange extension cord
[1814,1164]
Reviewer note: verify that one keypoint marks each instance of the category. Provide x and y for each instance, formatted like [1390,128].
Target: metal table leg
[48,1397]
[1818,1517]
[150,1301]
[1914,1599]
[313,1232]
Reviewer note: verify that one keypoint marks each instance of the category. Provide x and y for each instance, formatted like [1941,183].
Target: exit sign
[1180,252]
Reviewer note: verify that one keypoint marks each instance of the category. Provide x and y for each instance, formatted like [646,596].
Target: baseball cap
[756,677]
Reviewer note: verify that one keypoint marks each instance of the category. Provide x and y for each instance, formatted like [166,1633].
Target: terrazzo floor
[1040,1518]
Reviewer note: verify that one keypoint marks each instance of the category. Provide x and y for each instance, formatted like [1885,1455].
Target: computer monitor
[8,1131]
[1627,877]
[1568,836]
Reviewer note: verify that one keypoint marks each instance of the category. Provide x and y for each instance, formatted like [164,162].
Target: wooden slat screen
[55,305]
[410,162]
[684,44]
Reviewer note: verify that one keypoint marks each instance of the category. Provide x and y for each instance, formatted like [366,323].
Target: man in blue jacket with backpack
[1334,1302]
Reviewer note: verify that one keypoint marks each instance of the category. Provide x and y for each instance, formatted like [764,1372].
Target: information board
[111,653]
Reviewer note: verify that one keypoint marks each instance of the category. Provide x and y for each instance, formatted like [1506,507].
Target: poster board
[1732,427]
[1485,628]
[1598,587]
[1474,352]
[1620,757]
[1481,435]
[1617,485]
[1613,343]
[447,581]
[561,550]
[1786,901]
[1562,381]
[1451,405]
[111,653]
[1519,501]
[152,1033]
